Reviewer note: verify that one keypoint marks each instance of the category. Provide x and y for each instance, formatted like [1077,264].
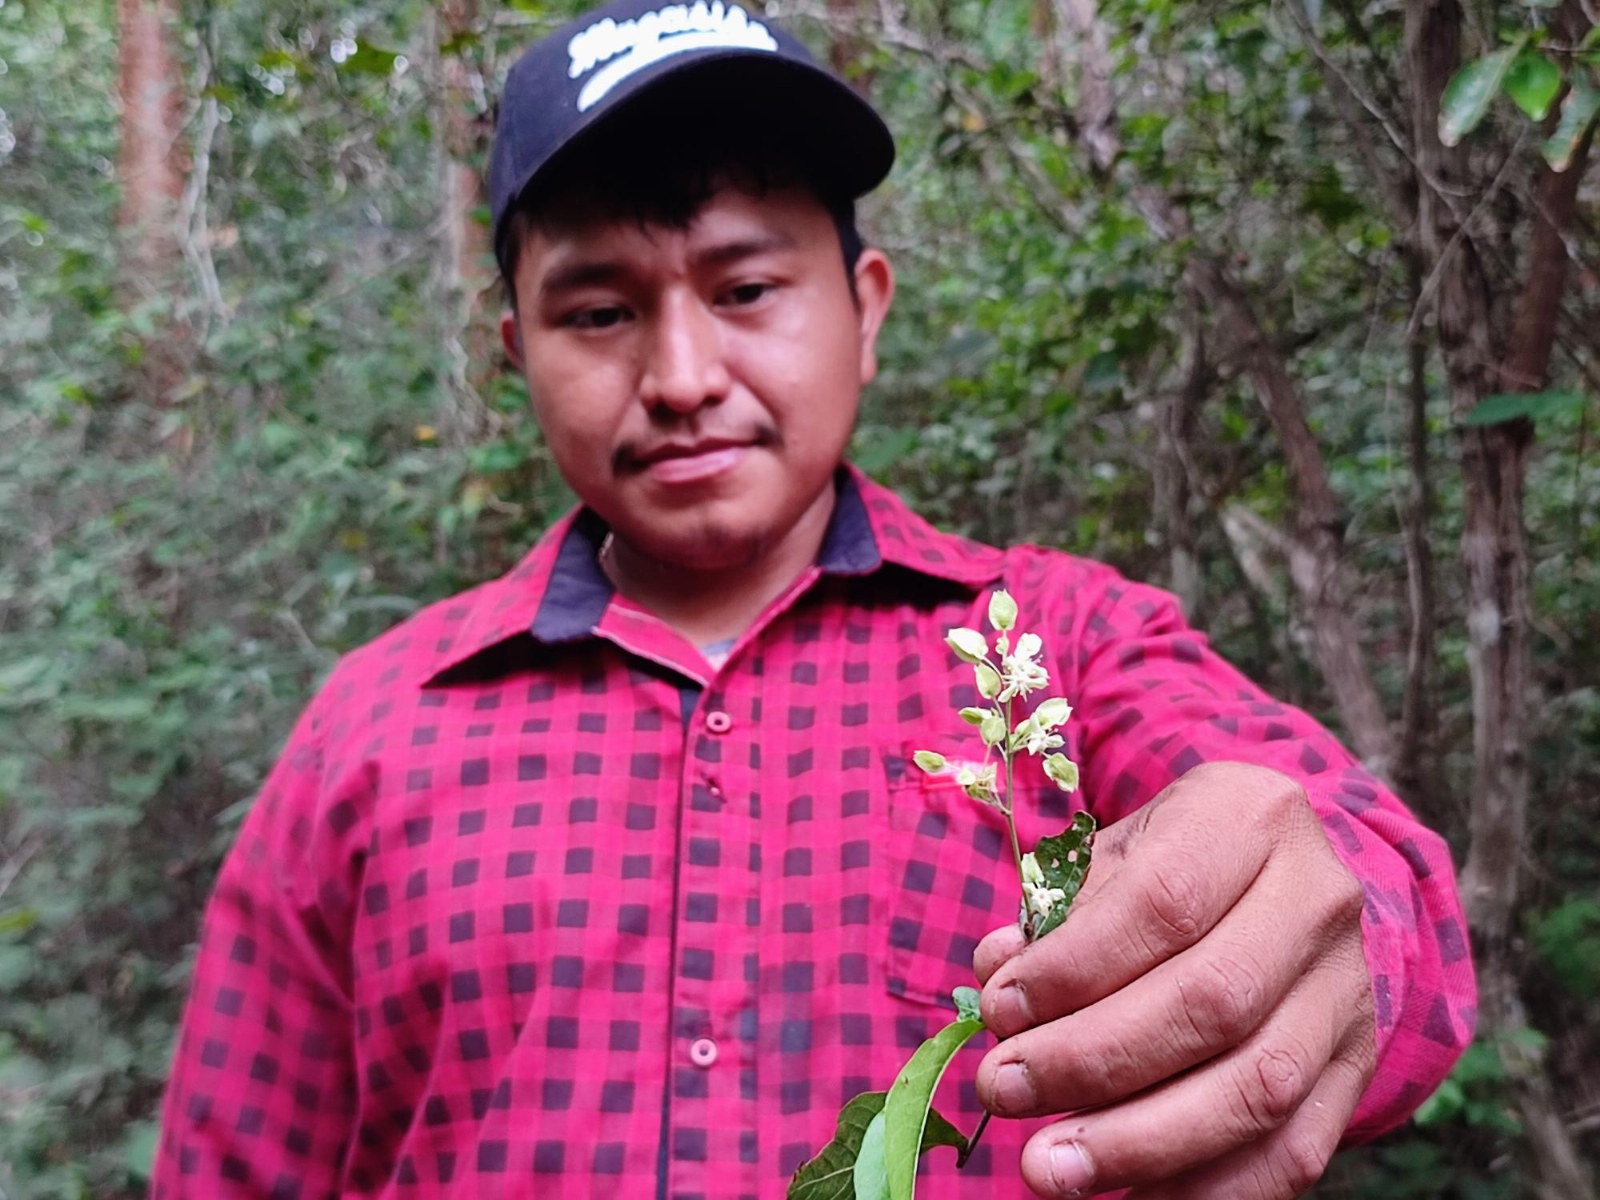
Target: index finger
[1176,868]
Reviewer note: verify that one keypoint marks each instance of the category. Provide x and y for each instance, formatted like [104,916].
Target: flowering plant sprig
[880,1135]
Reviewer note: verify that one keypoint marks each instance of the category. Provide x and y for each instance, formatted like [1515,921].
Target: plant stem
[972,1142]
[1007,807]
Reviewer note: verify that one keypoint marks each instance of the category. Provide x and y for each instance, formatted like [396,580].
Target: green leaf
[910,1103]
[1002,611]
[1063,771]
[969,645]
[369,60]
[1578,112]
[871,1174]
[139,1148]
[19,920]
[1532,83]
[988,681]
[993,729]
[1533,405]
[1064,859]
[831,1174]
[1053,713]
[975,716]
[1470,91]
[966,999]
[929,761]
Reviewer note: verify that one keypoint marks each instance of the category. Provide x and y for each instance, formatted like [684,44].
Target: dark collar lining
[576,596]
[578,591]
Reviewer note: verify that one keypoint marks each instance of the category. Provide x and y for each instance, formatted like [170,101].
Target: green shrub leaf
[1470,92]
[1578,112]
[1533,405]
[1532,83]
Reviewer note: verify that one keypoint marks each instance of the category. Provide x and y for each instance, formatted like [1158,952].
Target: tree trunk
[1315,554]
[1174,466]
[148,164]
[1315,551]
[1416,720]
[150,169]
[465,273]
[1480,359]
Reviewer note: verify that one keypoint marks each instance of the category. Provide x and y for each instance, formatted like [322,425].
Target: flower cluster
[1004,673]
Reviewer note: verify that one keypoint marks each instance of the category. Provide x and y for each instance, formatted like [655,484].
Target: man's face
[697,386]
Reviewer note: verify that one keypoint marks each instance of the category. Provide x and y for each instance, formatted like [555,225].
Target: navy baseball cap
[640,57]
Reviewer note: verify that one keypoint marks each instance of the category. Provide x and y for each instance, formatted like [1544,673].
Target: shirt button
[718,721]
[702,1052]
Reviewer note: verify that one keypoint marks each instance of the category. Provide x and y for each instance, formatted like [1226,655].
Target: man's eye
[746,293]
[600,317]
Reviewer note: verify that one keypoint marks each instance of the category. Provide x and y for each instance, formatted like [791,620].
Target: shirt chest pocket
[951,874]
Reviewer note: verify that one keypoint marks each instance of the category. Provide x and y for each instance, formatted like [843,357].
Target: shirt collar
[558,593]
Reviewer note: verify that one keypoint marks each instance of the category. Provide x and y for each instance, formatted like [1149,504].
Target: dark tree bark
[1315,554]
[1416,720]
[1484,353]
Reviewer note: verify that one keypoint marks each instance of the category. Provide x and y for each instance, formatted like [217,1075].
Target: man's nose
[685,367]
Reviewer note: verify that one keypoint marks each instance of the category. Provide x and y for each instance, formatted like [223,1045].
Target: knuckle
[1225,1010]
[1174,906]
[1302,1158]
[1273,1085]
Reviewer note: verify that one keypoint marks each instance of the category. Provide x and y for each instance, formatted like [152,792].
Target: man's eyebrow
[723,253]
[583,273]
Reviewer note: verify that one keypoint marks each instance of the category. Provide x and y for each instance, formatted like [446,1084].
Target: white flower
[1019,674]
[1037,738]
[1038,898]
[979,784]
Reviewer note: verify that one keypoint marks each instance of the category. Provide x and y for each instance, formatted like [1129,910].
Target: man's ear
[511,337]
[874,291]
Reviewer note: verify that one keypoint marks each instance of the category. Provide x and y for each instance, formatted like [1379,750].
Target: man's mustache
[636,454]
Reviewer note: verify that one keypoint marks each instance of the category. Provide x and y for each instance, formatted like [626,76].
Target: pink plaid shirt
[538,903]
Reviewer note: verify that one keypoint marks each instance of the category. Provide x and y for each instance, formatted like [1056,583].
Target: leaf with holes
[1064,861]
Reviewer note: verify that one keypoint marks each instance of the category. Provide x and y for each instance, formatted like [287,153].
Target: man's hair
[636,168]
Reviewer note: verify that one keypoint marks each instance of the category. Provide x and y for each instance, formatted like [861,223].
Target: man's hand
[1205,1015]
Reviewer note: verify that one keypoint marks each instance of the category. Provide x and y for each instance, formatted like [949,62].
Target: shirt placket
[710,1122]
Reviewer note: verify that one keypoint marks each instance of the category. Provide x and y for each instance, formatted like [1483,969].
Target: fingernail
[1013,1091]
[1070,1168]
[1011,1008]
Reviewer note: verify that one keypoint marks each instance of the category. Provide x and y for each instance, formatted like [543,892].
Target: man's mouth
[691,462]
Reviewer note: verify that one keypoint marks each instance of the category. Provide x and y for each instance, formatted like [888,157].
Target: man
[611,875]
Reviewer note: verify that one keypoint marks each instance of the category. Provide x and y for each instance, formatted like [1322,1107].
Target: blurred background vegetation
[1195,287]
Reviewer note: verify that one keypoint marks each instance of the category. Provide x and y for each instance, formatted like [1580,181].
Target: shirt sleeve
[1154,700]
[260,1102]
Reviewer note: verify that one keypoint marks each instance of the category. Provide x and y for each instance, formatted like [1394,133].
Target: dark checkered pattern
[537,904]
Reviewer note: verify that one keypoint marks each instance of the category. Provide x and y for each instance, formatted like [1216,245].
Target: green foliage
[1533,405]
[906,1113]
[1063,861]
[174,579]
[1567,937]
[832,1174]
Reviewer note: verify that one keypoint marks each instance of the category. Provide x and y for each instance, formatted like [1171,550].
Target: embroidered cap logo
[654,36]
